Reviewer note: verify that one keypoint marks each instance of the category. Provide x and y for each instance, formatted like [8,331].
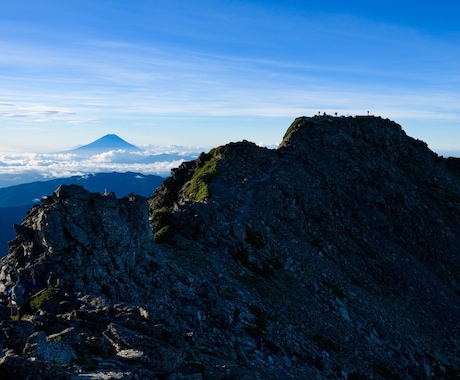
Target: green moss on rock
[163,235]
[291,128]
[199,189]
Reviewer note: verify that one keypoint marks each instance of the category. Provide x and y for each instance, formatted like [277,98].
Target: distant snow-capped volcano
[104,144]
[108,154]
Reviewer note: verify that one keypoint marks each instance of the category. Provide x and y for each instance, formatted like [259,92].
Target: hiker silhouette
[20,294]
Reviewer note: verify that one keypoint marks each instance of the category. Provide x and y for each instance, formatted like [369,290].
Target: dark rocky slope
[337,253]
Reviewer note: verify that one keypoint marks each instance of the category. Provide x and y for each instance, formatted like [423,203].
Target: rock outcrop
[334,256]
[96,235]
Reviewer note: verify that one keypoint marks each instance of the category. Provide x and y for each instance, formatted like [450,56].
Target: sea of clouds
[24,167]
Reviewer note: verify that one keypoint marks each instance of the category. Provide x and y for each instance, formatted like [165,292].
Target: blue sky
[205,73]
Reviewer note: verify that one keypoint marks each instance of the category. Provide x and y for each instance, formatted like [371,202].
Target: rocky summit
[334,256]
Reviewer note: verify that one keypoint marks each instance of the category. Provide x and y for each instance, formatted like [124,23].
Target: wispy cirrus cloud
[201,78]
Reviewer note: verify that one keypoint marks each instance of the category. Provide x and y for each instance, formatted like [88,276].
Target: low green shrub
[161,218]
[163,235]
[37,300]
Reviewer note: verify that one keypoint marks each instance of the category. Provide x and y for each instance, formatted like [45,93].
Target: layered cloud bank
[23,167]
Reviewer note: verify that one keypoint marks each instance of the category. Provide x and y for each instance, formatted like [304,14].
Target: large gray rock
[92,243]
[48,350]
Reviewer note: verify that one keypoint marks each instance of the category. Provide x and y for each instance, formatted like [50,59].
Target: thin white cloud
[36,112]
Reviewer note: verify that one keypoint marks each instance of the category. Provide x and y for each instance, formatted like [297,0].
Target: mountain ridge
[333,256]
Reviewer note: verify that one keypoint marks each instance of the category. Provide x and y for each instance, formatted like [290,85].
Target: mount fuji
[104,144]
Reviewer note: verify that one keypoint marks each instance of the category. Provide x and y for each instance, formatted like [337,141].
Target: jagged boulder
[45,349]
[85,242]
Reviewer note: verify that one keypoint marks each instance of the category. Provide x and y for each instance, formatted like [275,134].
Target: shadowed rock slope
[334,256]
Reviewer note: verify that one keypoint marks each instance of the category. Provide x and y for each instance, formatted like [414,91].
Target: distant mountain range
[15,201]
